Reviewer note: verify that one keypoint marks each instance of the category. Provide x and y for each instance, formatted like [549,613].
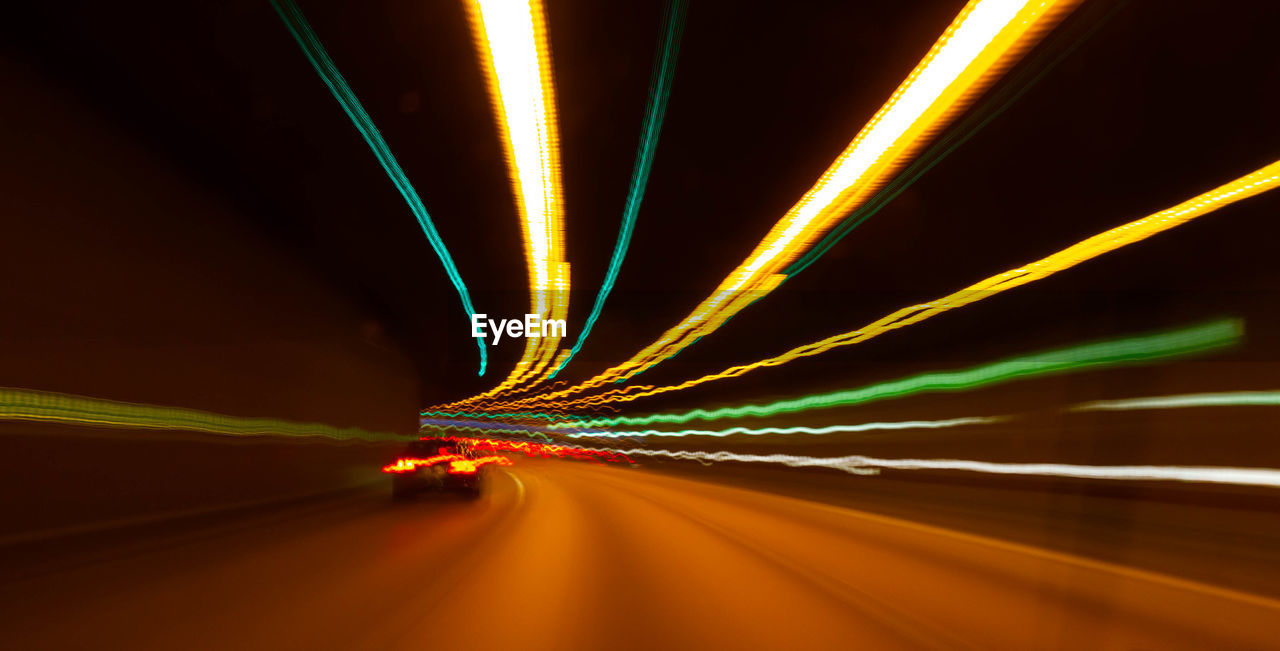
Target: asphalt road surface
[560,555]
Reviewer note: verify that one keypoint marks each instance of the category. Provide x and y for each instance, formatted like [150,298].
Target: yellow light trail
[979,45]
[1262,180]
[512,40]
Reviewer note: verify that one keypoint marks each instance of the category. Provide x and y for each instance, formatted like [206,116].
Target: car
[436,465]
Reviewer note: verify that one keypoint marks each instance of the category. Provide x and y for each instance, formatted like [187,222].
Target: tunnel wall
[121,278]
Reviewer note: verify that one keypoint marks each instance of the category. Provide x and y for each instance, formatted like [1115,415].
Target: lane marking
[519,487]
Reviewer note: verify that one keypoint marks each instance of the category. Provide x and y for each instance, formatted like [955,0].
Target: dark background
[1165,101]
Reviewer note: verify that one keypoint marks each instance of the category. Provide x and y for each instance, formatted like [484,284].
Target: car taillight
[472,466]
[400,466]
[462,468]
[411,464]
[457,464]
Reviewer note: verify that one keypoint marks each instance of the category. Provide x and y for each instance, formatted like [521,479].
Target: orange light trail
[511,37]
[1262,180]
[981,43]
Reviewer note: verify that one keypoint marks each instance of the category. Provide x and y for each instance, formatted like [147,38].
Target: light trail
[511,36]
[833,429]
[481,427]
[1254,183]
[324,66]
[23,405]
[1150,347]
[490,415]
[535,449]
[1219,399]
[862,465]
[659,92]
[1053,51]
[979,45]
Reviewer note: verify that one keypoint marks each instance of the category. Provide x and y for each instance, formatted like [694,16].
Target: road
[561,555]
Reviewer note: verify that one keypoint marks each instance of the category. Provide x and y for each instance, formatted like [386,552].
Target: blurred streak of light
[45,407]
[860,465]
[324,66]
[659,92]
[1220,399]
[458,464]
[1055,50]
[833,429]
[484,427]
[445,423]
[535,449]
[1251,184]
[511,36]
[979,45]
[1142,348]
[482,414]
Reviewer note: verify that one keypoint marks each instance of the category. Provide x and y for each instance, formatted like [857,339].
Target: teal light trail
[1184,341]
[319,58]
[659,92]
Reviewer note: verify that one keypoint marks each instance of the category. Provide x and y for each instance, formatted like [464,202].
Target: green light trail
[25,405]
[324,66]
[659,92]
[1176,343]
